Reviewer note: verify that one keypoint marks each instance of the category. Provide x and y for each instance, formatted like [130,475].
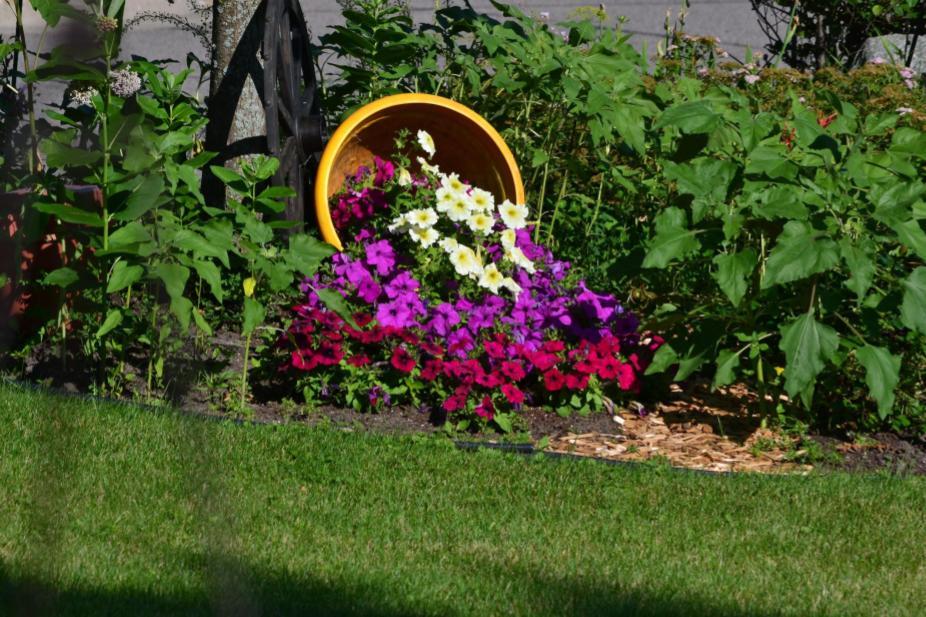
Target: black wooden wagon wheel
[296,132]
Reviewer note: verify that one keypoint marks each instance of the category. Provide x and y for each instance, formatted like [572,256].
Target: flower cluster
[424,287]
[124,82]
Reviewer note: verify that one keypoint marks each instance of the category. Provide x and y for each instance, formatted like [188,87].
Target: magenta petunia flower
[380,255]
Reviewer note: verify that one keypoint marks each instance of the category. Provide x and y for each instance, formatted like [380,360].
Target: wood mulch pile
[711,432]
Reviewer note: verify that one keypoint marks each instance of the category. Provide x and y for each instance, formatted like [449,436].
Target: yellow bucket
[466,144]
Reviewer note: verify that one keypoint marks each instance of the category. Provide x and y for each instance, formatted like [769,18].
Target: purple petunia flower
[380,255]
[394,314]
[444,318]
[403,283]
[369,290]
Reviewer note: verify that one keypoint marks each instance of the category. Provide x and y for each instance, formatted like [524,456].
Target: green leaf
[131,233]
[861,267]
[882,374]
[145,197]
[123,275]
[254,313]
[226,175]
[336,303]
[503,420]
[673,239]
[664,358]
[779,202]
[798,254]
[733,272]
[807,344]
[690,117]
[62,155]
[70,214]
[62,277]
[913,309]
[267,167]
[771,161]
[53,10]
[307,253]
[201,322]
[174,277]
[196,244]
[702,177]
[182,308]
[727,362]
[912,236]
[113,319]
[208,272]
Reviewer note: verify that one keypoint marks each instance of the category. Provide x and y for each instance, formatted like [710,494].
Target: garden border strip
[466,446]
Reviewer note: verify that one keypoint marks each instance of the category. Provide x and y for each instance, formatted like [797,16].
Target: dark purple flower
[444,317]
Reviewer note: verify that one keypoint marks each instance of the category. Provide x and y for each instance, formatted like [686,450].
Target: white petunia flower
[514,216]
[480,222]
[508,237]
[511,286]
[453,183]
[460,209]
[427,143]
[449,244]
[424,217]
[518,258]
[491,278]
[482,200]
[425,236]
[464,261]
[397,223]
[445,198]
[427,167]
[405,177]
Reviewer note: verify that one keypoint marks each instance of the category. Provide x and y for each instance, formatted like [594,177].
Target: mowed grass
[108,509]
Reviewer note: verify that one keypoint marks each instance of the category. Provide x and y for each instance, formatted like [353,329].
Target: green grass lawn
[109,509]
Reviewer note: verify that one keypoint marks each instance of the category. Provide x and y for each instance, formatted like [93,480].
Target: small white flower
[491,278]
[878,60]
[445,198]
[425,236]
[514,216]
[424,217]
[453,182]
[460,209]
[449,244]
[83,96]
[397,223]
[903,111]
[464,261]
[518,258]
[751,79]
[508,237]
[427,167]
[427,143]
[511,286]
[480,222]
[482,200]
[124,82]
[404,177]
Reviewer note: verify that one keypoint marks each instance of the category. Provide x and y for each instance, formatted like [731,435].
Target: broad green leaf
[690,117]
[336,303]
[267,167]
[182,308]
[702,177]
[779,202]
[254,313]
[53,10]
[61,277]
[201,322]
[61,155]
[798,254]
[174,277]
[882,374]
[860,266]
[503,420]
[70,214]
[733,272]
[307,253]
[145,197]
[913,309]
[664,358]
[727,362]
[226,175]
[807,344]
[123,275]
[196,244]
[673,239]
[131,233]
[210,273]
[113,319]
[912,236]
[771,161]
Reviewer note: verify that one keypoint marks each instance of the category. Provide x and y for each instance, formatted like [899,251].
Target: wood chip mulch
[694,431]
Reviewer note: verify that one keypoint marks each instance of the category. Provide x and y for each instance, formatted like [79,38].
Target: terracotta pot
[30,247]
[466,144]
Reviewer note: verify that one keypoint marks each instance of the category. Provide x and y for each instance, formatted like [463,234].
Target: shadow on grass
[274,595]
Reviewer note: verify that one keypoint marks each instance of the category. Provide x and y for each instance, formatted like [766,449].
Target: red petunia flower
[494,350]
[513,394]
[513,370]
[576,382]
[627,378]
[359,360]
[303,363]
[543,360]
[553,380]
[608,367]
[486,409]
[432,369]
[329,354]
[402,360]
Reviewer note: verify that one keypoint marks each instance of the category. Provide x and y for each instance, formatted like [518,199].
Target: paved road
[732,21]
